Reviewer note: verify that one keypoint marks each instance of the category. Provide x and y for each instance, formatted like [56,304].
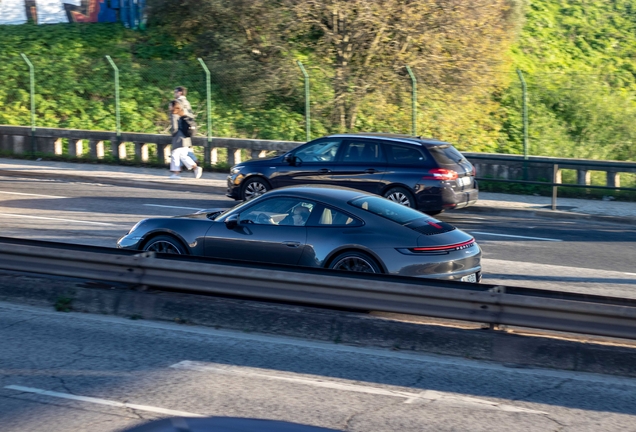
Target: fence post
[307,104]
[555,179]
[413,102]
[208,91]
[524,90]
[117,122]
[32,91]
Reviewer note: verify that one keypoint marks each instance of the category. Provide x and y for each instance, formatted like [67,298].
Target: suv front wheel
[254,187]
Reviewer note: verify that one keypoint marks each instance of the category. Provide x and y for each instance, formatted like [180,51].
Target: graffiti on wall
[69,11]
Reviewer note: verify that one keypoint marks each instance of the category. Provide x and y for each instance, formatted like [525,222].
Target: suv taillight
[440,174]
[474,173]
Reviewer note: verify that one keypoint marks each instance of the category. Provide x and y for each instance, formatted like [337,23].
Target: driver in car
[298,217]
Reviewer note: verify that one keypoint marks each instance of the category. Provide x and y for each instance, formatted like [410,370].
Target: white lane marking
[427,396]
[631,274]
[28,194]
[56,219]
[103,401]
[514,236]
[175,207]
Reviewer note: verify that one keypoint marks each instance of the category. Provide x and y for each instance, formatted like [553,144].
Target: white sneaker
[175,177]
[198,172]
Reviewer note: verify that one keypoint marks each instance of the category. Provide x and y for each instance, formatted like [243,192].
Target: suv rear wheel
[400,196]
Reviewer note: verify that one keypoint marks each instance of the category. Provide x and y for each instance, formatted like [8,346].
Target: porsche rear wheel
[355,262]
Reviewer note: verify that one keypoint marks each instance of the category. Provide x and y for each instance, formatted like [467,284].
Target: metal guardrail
[495,305]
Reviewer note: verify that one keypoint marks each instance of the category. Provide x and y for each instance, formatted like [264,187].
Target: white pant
[179,156]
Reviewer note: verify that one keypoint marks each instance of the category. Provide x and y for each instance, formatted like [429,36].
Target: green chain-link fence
[569,115]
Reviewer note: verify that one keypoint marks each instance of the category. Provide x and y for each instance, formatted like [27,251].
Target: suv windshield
[388,209]
[446,155]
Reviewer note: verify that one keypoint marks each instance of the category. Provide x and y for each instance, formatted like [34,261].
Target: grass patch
[64,304]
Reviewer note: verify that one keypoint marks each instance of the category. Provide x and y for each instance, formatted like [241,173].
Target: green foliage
[580,62]
[578,58]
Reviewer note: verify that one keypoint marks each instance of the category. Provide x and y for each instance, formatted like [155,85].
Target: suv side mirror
[289,158]
[232,221]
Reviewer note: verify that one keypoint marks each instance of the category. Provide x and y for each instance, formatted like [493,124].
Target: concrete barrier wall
[20,140]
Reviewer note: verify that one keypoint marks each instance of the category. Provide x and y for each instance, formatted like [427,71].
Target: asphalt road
[79,372]
[575,255]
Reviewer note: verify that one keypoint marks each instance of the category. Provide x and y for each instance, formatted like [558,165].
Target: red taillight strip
[441,248]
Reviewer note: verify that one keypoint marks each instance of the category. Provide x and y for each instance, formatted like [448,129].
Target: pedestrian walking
[181,144]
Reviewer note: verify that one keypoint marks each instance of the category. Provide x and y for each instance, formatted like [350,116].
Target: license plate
[469,278]
[464,181]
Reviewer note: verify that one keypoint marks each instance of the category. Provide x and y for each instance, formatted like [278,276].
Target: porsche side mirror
[231,221]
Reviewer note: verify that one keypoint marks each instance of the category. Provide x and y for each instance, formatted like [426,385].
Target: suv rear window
[446,155]
[403,155]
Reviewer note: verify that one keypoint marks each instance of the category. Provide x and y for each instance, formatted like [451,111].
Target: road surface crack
[16,323]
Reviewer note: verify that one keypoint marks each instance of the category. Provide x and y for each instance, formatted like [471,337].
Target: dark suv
[422,173]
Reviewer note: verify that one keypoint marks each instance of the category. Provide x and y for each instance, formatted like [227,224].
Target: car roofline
[418,140]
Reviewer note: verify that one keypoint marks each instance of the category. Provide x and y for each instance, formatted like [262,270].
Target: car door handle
[370,171]
[293,244]
[324,170]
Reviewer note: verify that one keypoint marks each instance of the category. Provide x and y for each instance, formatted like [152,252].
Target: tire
[165,244]
[400,196]
[433,212]
[355,262]
[254,187]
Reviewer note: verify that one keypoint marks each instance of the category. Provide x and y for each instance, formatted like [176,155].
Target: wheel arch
[250,176]
[153,234]
[334,254]
[400,185]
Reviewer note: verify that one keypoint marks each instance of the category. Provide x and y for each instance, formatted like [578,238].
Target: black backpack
[187,126]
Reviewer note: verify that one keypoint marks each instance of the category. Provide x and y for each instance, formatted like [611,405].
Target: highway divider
[494,305]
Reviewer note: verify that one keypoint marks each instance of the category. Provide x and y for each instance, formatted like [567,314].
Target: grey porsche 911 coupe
[318,226]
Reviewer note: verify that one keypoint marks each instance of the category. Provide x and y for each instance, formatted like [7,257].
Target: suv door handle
[293,244]
[370,171]
[324,170]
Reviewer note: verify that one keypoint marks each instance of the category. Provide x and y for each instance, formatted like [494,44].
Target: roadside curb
[151,184]
[310,323]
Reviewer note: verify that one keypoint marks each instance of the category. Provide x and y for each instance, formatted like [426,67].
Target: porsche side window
[278,211]
[332,217]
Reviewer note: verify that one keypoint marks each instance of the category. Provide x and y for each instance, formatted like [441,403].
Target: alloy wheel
[164,247]
[254,189]
[354,264]
[400,198]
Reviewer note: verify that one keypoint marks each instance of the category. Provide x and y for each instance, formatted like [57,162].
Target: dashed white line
[427,396]
[57,219]
[175,207]
[28,194]
[103,401]
[515,236]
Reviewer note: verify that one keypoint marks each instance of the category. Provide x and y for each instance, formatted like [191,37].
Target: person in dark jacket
[181,144]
